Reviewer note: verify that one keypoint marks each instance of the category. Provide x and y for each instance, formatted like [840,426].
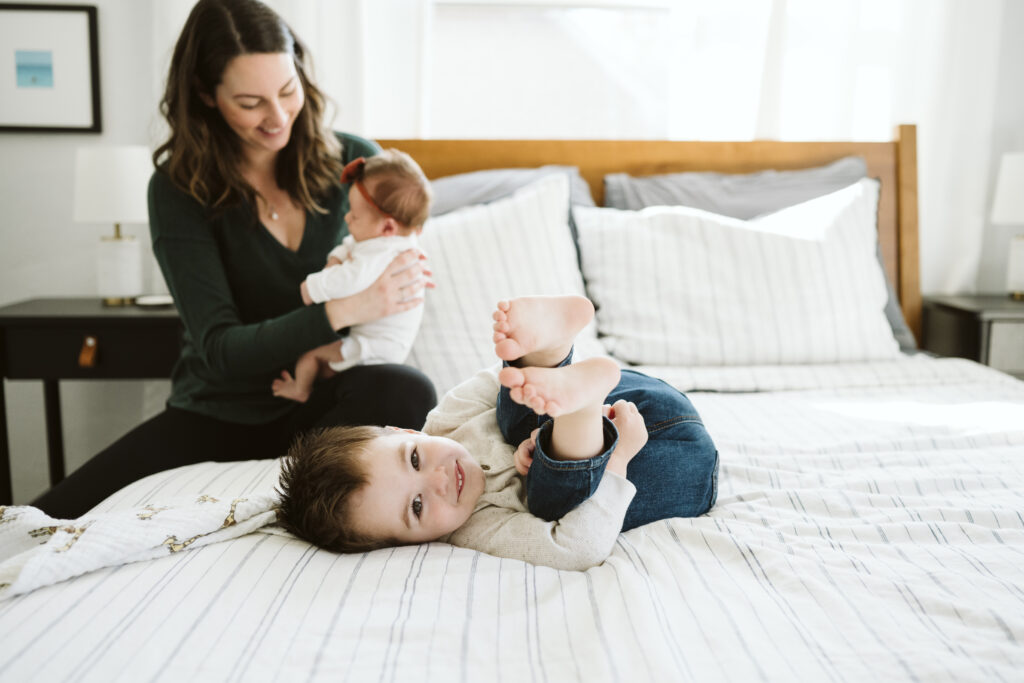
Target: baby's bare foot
[539,330]
[564,390]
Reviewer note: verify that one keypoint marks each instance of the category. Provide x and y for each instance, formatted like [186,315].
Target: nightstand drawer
[117,352]
[1006,347]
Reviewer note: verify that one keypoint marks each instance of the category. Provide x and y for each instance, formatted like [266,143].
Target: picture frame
[49,69]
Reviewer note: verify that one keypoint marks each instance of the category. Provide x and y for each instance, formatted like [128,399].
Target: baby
[583,470]
[389,201]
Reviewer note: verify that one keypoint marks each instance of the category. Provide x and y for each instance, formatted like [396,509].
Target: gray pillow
[743,196]
[747,196]
[482,187]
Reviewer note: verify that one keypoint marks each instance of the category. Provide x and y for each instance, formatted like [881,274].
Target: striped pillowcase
[681,286]
[480,254]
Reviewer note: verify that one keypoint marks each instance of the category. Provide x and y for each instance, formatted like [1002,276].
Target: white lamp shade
[111,184]
[1008,205]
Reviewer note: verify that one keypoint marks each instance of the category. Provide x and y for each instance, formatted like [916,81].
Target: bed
[869,518]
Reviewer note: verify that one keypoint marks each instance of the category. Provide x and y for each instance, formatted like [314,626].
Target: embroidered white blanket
[37,550]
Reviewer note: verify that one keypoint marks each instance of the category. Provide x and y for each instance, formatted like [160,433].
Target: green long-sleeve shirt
[237,290]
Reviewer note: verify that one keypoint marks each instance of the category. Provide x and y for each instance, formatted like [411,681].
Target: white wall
[44,253]
[1007,136]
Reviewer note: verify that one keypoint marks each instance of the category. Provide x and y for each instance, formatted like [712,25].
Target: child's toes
[508,349]
[511,377]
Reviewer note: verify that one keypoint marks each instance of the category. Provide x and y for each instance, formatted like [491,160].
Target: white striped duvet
[862,532]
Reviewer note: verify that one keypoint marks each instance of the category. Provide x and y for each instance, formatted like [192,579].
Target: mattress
[868,527]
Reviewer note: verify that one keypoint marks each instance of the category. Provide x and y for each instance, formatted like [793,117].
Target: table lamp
[1008,208]
[110,187]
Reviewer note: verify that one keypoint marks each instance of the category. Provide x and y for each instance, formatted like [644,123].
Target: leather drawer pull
[87,356]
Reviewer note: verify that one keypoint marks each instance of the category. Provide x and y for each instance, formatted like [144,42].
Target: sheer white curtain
[681,69]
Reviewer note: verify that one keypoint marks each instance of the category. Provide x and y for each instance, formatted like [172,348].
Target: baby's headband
[353,173]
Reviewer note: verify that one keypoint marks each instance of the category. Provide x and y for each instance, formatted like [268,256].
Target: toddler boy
[591,469]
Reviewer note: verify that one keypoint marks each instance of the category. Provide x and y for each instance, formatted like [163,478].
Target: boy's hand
[306,298]
[632,434]
[524,453]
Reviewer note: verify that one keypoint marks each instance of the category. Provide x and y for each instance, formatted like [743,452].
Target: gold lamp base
[115,301]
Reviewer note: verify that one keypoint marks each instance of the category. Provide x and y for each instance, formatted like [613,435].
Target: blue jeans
[675,473]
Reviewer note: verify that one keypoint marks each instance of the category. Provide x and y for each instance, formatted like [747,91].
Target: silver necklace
[270,207]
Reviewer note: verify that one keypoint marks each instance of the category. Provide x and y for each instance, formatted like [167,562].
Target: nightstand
[55,339]
[988,328]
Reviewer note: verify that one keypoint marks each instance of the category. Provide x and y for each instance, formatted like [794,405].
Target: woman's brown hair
[203,156]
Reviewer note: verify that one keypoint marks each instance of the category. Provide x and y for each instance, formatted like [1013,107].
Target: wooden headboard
[893,163]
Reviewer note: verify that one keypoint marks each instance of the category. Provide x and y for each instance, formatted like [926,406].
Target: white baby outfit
[386,340]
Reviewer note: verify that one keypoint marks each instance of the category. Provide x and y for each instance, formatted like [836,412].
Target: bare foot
[287,387]
[564,390]
[539,330]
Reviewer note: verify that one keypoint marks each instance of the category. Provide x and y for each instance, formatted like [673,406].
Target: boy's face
[363,219]
[420,488]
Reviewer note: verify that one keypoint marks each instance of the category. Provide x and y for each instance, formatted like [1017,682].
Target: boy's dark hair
[319,474]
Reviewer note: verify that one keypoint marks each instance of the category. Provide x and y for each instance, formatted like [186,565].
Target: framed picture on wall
[49,69]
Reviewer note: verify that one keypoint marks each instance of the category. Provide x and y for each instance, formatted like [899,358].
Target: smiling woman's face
[420,488]
[259,97]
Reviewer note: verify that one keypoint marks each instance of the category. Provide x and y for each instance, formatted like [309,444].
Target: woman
[245,202]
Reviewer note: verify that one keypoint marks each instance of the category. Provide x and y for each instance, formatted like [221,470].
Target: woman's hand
[523,456]
[632,434]
[399,288]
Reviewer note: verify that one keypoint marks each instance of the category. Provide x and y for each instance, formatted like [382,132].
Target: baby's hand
[524,453]
[632,434]
[333,261]
[306,298]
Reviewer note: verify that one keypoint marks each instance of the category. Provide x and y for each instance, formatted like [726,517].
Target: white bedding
[869,527]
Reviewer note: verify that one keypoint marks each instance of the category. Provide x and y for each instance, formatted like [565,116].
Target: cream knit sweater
[500,524]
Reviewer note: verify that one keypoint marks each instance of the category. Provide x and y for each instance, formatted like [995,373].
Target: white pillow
[481,254]
[681,286]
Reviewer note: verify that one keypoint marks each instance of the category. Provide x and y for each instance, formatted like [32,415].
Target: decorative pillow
[749,195]
[481,254]
[481,187]
[681,286]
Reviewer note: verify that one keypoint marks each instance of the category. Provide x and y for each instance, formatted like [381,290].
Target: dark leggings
[369,394]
